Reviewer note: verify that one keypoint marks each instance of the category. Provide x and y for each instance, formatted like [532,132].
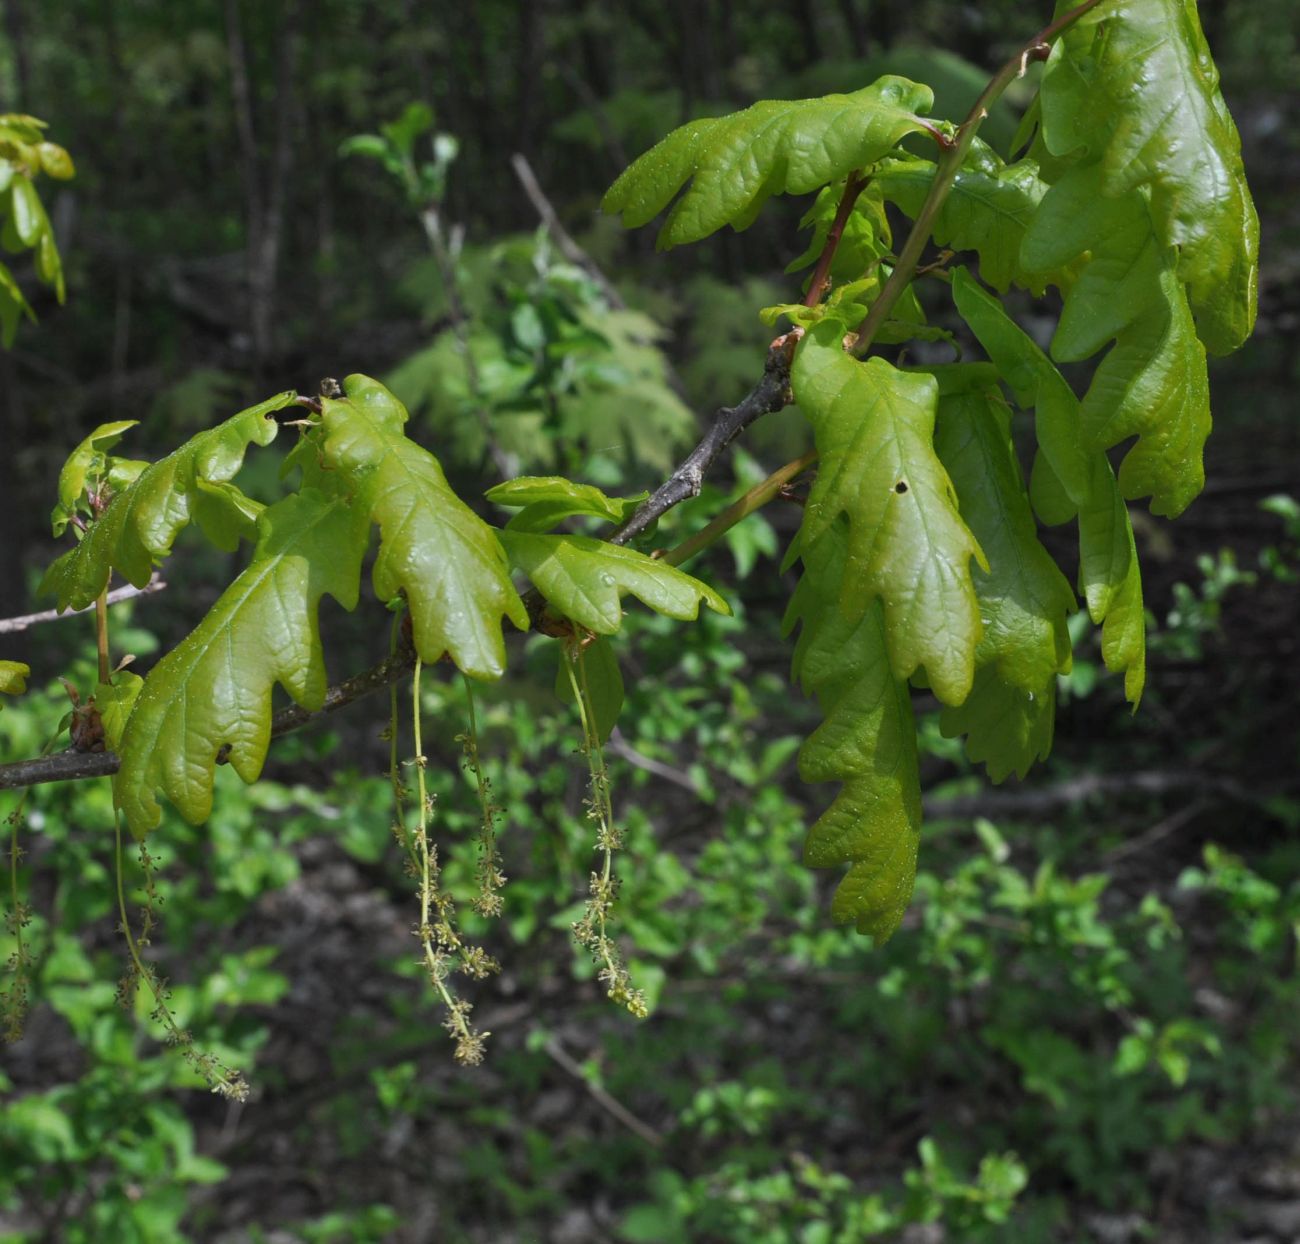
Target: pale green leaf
[582,579]
[27,218]
[433,548]
[907,544]
[864,239]
[867,742]
[213,690]
[13,305]
[88,459]
[735,163]
[545,500]
[192,483]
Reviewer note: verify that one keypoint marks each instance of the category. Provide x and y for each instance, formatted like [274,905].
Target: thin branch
[568,247]
[621,747]
[610,1104]
[821,274]
[771,393]
[10,625]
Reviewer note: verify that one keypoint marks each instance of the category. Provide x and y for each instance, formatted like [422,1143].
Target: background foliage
[1084,1028]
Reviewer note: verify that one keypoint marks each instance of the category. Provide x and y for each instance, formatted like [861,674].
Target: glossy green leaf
[1135,84]
[89,458]
[192,483]
[735,163]
[433,548]
[987,210]
[867,742]
[907,544]
[1153,383]
[213,690]
[546,500]
[1122,278]
[1024,598]
[1033,379]
[602,677]
[583,578]
[13,678]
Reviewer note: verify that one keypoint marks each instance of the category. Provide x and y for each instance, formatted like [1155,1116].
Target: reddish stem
[852,188]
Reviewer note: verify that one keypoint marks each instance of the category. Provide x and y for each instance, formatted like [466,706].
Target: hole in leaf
[901,486]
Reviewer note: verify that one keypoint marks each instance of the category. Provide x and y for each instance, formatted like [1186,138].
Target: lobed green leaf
[88,459]
[1110,579]
[213,690]
[735,163]
[867,742]
[583,578]
[191,483]
[907,544]
[544,501]
[433,548]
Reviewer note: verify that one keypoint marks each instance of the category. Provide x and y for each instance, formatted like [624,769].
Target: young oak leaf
[544,501]
[583,578]
[867,742]
[89,459]
[433,547]
[1153,383]
[864,239]
[735,163]
[907,544]
[1024,598]
[214,689]
[987,210]
[1136,86]
[191,483]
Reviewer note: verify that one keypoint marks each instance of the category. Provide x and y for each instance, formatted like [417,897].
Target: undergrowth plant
[919,555]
